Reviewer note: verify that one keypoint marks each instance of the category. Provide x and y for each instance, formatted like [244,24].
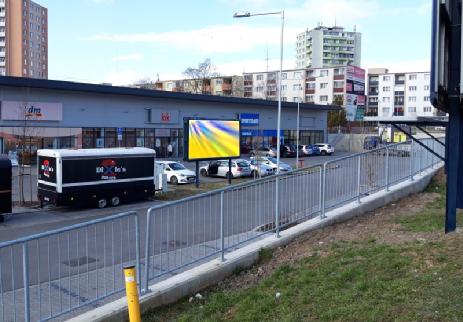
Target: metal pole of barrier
[137,251]
[359,164]
[27,308]
[421,152]
[387,169]
[147,251]
[277,205]
[320,192]
[132,294]
[222,235]
[432,156]
[411,160]
[323,189]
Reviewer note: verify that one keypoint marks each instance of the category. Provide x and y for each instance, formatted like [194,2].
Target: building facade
[341,85]
[36,114]
[398,95]
[23,39]
[220,85]
[328,47]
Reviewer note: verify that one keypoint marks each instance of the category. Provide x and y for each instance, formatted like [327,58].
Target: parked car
[264,151]
[287,150]
[272,162]
[219,168]
[325,148]
[259,169]
[177,173]
[308,150]
[371,142]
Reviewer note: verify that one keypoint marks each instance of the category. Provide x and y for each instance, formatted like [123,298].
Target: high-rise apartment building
[23,39]
[328,47]
[341,85]
[398,95]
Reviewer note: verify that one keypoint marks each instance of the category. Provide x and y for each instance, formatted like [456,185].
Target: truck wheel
[102,203]
[115,201]
[173,180]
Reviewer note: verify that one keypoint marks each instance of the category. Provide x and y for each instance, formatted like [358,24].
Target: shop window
[110,140]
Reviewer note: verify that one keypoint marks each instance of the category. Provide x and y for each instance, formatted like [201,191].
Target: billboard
[212,139]
[355,93]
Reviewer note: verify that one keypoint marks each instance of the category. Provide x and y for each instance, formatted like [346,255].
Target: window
[372,99]
[309,98]
[412,88]
[426,87]
[386,89]
[283,88]
[324,98]
[297,87]
[259,89]
[386,111]
[412,77]
[323,73]
[323,85]
[412,98]
[338,84]
[386,99]
[284,99]
[295,99]
[426,98]
[427,109]
[284,75]
[412,109]
[426,77]
[310,85]
[260,77]
[297,75]
[386,78]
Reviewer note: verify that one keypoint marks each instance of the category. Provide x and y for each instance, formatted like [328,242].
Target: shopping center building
[37,114]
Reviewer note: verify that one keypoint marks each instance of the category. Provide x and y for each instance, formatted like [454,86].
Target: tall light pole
[282,14]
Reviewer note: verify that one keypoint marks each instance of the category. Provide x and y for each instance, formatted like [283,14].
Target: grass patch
[358,281]
[265,255]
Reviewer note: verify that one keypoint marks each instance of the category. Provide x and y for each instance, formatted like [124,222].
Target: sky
[123,41]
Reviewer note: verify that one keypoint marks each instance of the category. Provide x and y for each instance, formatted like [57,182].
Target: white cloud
[211,39]
[128,57]
[419,65]
[125,77]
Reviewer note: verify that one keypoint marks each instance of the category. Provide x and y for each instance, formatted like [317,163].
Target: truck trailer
[98,177]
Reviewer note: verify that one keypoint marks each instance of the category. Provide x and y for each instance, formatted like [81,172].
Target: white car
[219,168]
[325,148]
[259,169]
[272,162]
[177,173]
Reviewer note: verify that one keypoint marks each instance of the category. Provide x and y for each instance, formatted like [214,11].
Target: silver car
[219,168]
[272,162]
[259,169]
[263,151]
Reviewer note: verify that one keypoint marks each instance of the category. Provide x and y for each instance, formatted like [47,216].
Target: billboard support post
[230,175]
[197,174]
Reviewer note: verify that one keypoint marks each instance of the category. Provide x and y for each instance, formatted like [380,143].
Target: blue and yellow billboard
[212,139]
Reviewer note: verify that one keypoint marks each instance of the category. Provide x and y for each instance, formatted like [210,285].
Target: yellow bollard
[132,294]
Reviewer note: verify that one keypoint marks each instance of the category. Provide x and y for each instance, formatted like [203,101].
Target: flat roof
[23,82]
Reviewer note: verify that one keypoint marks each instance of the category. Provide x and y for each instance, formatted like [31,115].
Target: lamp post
[282,14]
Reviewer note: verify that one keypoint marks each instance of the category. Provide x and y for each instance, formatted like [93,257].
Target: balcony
[247,83]
[310,79]
[338,90]
[271,81]
[338,77]
[373,104]
[310,91]
[271,93]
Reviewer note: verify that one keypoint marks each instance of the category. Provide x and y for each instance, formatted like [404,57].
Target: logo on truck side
[109,169]
[46,168]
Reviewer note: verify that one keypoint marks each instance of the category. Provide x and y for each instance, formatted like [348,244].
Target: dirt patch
[378,225]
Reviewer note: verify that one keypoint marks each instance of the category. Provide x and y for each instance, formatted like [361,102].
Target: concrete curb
[208,274]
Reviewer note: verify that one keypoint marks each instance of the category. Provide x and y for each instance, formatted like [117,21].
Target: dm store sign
[34,111]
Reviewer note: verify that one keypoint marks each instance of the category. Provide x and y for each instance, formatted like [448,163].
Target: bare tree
[200,77]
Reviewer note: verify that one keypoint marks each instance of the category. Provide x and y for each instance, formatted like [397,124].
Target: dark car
[371,142]
[287,150]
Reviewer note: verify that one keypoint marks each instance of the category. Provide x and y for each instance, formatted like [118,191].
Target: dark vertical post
[454,130]
[230,171]
[197,174]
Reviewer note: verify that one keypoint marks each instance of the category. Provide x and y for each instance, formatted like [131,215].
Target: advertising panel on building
[355,93]
[34,111]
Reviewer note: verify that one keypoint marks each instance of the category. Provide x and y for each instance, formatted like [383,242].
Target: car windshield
[273,160]
[242,164]
[176,166]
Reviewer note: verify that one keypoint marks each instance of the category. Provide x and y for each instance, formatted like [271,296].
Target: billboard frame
[186,137]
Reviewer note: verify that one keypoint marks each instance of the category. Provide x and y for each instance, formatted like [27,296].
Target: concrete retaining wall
[190,282]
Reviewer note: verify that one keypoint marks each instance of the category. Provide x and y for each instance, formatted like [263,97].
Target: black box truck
[95,177]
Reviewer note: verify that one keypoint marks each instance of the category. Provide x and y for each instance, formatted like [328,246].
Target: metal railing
[46,275]
[69,268]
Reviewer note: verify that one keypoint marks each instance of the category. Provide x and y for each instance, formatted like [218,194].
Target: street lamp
[282,14]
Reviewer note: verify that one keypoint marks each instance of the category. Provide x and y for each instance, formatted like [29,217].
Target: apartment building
[341,85]
[220,85]
[398,95]
[328,47]
[23,39]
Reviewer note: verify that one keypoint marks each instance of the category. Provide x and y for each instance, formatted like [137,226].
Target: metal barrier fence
[72,267]
[67,268]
